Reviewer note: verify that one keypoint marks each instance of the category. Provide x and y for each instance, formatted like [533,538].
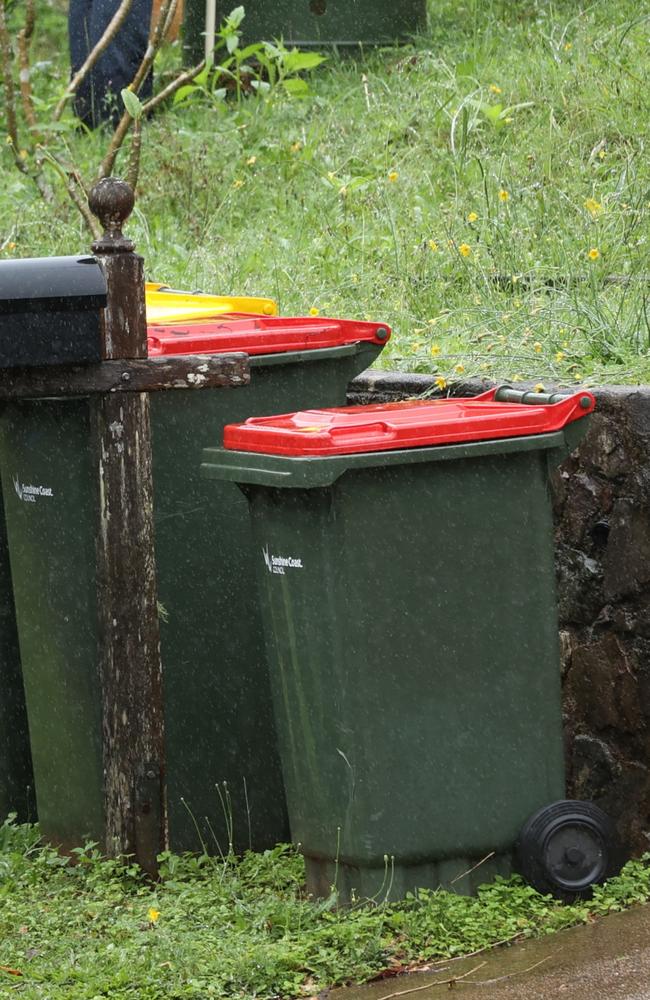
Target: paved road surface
[609,960]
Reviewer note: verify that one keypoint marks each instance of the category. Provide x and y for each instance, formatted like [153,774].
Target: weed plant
[239,927]
[485,190]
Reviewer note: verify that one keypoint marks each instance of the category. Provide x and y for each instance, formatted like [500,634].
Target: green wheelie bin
[311,23]
[405,559]
[224,783]
[16,778]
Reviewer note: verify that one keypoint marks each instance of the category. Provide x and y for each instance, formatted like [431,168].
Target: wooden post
[129,640]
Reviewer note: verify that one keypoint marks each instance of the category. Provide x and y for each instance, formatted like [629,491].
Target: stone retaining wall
[601,499]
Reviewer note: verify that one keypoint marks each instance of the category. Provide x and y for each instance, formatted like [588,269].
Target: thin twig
[122,129]
[109,34]
[133,169]
[473,869]
[78,196]
[473,954]
[509,975]
[156,38]
[430,986]
[10,97]
[24,42]
[172,87]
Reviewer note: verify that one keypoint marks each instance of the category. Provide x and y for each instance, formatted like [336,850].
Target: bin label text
[30,494]
[280,564]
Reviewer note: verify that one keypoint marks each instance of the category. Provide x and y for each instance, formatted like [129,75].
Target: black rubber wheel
[568,847]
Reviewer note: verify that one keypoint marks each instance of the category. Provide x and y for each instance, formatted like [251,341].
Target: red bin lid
[389,426]
[261,335]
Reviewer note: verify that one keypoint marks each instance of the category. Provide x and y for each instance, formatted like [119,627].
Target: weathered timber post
[129,640]
[75,384]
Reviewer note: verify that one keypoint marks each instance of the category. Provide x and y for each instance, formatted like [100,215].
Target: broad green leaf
[297,87]
[184,92]
[235,17]
[296,61]
[132,103]
[251,50]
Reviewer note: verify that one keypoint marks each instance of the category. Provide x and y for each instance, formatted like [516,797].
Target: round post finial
[112,201]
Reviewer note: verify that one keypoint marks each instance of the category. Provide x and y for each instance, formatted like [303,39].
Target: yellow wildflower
[435,350]
[560,356]
[393,175]
[472,217]
[593,254]
[593,207]
[568,46]
[313,311]
[433,246]
[464,250]
[503,195]
[237,184]
[251,161]
[441,382]
[10,246]
[601,154]
[539,387]
[153,914]
[459,369]
[494,89]
[537,347]
[516,378]
[343,191]
[296,147]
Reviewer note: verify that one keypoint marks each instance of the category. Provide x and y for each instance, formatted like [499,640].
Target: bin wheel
[568,847]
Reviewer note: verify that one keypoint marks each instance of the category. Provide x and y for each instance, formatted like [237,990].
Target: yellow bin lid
[166,305]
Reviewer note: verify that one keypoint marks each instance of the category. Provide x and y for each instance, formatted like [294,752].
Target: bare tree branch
[113,27]
[10,97]
[24,41]
[156,38]
[172,87]
[133,169]
[429,986]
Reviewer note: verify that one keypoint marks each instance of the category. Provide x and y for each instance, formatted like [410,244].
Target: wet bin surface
[408,595]
[219,723]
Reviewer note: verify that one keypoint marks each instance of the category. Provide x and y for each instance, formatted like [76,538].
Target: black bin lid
[33,284]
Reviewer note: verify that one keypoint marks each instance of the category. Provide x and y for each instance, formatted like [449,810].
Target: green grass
[351,189]
[239,928]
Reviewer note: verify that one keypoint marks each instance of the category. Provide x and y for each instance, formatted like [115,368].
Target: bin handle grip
[377,430]
[506,394]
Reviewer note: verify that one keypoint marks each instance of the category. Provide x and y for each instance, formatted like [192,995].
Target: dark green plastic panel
[16,777]
[219,720]
[50,507]
[309,23]
[219,724]
[411,630]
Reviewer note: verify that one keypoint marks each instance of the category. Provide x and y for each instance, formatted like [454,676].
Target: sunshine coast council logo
[30,494]
[280,564]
